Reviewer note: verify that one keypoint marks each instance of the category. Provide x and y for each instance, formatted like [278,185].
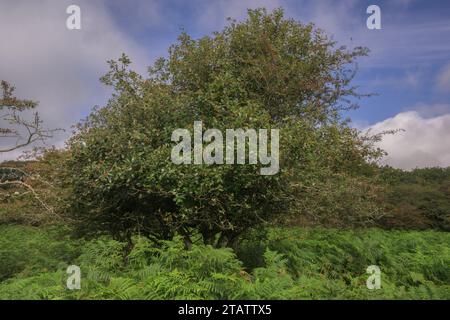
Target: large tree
[265,72]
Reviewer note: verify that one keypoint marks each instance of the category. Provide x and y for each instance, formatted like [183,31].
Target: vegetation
[419,199]
[265,72]
[17,132]
[283,263]
[15,125]
[141,227]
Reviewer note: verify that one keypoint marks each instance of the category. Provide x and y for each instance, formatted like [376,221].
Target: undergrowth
[277,263]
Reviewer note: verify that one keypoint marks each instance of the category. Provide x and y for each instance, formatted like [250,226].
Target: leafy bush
[265,72]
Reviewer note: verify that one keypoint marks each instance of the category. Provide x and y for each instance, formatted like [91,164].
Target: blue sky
[409,64]
[407,54]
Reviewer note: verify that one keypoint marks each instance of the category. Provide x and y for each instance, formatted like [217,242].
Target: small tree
[16,127]
[18,132]
[265,72]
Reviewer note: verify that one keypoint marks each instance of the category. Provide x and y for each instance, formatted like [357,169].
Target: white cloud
[424,143]
[59,67]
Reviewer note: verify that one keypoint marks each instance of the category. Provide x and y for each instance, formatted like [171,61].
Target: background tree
[15,126]
[18,132]
[417,199]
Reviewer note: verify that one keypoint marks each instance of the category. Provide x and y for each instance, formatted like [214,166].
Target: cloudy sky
[409,64]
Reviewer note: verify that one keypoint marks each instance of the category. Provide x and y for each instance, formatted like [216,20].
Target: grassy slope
[275,264]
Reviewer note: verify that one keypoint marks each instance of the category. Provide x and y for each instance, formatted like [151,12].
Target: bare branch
[31,189]
[26,132]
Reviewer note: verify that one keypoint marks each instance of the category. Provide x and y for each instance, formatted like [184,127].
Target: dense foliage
[277,264]
[419,199]
[265,72]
